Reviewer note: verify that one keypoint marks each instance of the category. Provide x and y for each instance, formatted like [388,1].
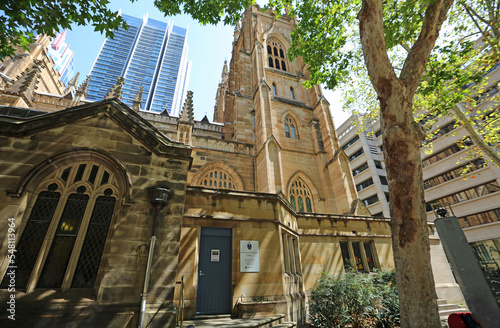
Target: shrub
[355,300]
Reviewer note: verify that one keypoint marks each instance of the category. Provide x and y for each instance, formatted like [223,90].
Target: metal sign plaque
[249,256]
[215,255]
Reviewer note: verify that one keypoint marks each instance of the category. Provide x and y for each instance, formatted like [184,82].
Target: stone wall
[114,301]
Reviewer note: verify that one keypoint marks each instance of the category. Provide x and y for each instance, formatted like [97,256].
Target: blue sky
[208,45]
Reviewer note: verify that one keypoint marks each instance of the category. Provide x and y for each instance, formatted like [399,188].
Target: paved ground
[225,322]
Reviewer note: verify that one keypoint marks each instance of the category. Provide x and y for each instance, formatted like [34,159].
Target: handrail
[181,310]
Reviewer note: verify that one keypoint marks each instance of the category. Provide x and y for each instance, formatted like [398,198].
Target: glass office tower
[152,54]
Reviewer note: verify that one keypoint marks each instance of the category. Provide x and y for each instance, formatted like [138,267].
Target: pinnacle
[26,83]
[116,90]
[136,105]
[187,109]
[72,84]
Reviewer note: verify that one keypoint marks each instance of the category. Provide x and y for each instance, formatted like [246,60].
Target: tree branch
[371,28]
[475,136]
[468,8]
[416,60]
[473,19]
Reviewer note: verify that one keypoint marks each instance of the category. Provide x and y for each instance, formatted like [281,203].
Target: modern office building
[456,177]
[364,151]
[151,54]
[64,62]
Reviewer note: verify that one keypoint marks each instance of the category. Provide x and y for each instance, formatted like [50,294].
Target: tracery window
[300,196]
[290,129]
[218,178]
[69,222]
[276,54]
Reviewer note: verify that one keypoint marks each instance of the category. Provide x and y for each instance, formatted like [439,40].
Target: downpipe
[159,198]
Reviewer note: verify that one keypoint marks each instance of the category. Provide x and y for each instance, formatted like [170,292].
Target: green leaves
[22,20]
[355,300]
[322,38]
[206,11]
[403,21]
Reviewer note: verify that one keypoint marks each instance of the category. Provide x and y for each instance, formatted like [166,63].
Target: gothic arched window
[68,222]
[290,128]
[300,196]
[219,179]
[276,54]
[292,94]
[275,92]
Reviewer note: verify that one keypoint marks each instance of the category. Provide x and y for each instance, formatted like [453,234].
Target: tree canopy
[22,20]
[455,81]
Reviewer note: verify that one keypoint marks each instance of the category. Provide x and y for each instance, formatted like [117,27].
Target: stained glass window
[67,219]
[300,190]
[33,235]
[64,240]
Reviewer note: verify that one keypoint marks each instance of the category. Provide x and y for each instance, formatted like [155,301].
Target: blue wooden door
[214,272]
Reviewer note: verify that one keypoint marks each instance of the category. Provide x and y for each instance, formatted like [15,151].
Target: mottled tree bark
[402,137]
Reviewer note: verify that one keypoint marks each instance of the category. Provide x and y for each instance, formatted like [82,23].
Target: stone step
[444,307]
[212,317]
[228,322]
[285,325]
[441,301]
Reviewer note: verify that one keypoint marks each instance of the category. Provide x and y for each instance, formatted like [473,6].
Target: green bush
[355,300]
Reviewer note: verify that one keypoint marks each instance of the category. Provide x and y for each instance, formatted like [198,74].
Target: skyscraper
[62,55]
[152,54]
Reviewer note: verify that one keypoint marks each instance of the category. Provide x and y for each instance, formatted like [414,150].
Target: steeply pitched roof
[117,111]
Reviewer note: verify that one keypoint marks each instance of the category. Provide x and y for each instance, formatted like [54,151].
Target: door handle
[201,273]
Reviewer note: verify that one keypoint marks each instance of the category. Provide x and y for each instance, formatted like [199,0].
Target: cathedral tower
[291,128]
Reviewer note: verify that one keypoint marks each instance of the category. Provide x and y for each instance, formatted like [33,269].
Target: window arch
[63,240]
[275,92]
[292,93]
[290,128]
[217,175]
[218,178]
[300,196]
[276,54]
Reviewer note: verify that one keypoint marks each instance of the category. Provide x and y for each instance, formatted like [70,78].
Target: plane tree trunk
[402,137]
